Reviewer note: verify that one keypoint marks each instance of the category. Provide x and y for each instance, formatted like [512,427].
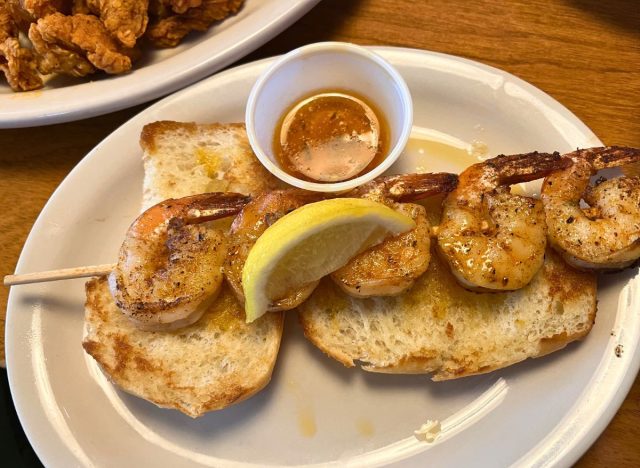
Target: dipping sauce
[331,136]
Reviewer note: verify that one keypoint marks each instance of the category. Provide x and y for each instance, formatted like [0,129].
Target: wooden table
[584,53]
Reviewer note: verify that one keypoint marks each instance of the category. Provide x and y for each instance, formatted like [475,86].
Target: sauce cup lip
[296,54]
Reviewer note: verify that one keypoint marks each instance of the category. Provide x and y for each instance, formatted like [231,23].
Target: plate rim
[190,72]
[578,445]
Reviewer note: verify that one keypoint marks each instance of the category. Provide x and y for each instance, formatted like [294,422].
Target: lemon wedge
[312,242]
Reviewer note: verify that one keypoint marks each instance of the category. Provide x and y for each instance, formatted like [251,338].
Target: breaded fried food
[81,37]
[169,31]
[165,8]
[25,12]
[18,15]
[8,27]
[80,7]
[180,6]
[16,62]
[74,45]
[56,59]
[126,20]
[41,8]
[19,66]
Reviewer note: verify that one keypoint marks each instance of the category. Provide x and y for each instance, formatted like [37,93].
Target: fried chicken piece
[8,26]
[56,59]
[180,6]
[16,62]
[80,7]
[19,66]
[126,20]
[41,8]
[168,32]
[21,17]
[166,8]
[75,44]
[25,12]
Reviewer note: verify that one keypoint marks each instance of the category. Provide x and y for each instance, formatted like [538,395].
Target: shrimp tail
[526,167]
[412,187]
[607,156]
[211,206]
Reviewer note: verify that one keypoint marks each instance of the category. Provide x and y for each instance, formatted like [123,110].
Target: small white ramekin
[320,67]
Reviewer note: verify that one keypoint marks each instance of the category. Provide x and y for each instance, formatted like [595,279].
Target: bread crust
[153,131]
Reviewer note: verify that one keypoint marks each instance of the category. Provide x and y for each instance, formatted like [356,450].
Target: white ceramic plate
[538,413]
[159,72]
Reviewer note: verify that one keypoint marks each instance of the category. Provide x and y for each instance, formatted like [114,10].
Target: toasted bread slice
[219,360]
[439,327]
[185,158]
[206,366]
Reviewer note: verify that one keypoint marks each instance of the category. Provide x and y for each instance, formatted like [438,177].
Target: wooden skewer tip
[56,275]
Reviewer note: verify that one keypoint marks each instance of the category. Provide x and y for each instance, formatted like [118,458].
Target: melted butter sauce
[306,417]
[307,422]
[365,427]
[331,136]
[430,150]
[210,160]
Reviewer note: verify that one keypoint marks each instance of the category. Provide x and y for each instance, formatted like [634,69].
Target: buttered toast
[220,359]
[185,158]
[439,327]
[209,365]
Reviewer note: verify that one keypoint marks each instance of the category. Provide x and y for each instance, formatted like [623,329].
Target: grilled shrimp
[253,220]
[169,266]
[388,268]
[494,240]
[607,234]
[392,266]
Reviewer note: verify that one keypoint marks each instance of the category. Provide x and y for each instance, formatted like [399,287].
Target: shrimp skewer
[494,240]
[607,234]
[391,267]
[169,265]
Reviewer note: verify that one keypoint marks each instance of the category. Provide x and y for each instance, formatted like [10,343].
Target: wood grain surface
[584,53]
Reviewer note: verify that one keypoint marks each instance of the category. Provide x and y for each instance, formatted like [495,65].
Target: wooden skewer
[55,275]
